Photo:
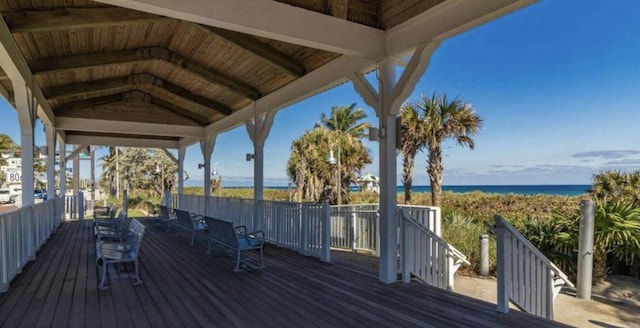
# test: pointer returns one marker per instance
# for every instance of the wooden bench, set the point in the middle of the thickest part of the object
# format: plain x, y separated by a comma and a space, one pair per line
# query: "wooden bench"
189, 222
127, 250
236, 240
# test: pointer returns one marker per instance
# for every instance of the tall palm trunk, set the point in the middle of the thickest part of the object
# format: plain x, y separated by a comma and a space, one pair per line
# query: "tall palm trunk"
435, 173
407, 175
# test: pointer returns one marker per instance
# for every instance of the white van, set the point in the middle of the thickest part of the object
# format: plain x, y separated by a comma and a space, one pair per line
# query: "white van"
6, 196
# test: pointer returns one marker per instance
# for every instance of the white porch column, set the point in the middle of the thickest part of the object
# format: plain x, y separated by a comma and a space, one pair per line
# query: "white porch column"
76, 174
206, 145
258, 130
62, 153
387, 101
50, 135
181, 153
26, 107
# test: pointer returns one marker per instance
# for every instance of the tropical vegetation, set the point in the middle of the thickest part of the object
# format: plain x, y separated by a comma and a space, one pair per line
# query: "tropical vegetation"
307, 167
428, 123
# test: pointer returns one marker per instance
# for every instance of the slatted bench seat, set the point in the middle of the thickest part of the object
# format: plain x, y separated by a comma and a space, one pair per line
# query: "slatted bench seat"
189, 222
236, 240
127, 250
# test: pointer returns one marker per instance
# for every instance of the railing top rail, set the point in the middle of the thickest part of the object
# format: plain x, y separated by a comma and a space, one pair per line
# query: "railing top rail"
437, 238
417, 206
502, 222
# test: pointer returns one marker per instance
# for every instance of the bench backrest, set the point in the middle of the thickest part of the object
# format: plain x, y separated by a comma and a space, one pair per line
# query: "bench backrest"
112, 211
164, 212
184, 218
222, 231
136, 233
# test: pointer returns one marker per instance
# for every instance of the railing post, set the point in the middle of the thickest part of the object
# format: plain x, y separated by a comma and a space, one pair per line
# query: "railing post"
437, 225
404, 248
585, 249
484, 255
326, 233
504, 265
4, 256
80, 206
354, 230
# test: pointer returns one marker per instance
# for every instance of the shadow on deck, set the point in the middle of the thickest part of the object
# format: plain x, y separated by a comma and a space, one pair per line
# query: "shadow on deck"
184, 287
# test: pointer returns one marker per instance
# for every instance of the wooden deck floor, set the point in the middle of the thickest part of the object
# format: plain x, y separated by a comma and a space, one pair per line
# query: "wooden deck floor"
184, 287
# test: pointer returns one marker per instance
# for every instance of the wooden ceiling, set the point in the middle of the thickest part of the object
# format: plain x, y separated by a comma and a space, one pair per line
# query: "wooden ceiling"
95, 61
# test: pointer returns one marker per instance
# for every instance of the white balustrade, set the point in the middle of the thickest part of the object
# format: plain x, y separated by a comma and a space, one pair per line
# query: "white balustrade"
525, 276
23, 232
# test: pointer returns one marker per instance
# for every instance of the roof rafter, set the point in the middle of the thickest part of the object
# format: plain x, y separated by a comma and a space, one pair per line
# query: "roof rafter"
58, 64
86, 88
130, 96
121, 141
273, 20
74, 18
260, 49
105, 126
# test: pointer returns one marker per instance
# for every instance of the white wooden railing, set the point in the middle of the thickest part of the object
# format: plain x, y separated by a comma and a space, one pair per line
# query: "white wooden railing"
525, 276
355, 227
424, 254
303, 227
23, 232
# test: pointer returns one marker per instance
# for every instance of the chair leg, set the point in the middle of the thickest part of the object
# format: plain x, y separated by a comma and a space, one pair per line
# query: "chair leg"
261, 257
103, 279
193, 236
137, 277
237, 269
209, 248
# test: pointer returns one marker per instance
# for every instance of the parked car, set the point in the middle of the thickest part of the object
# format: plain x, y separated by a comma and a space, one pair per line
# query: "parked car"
6, 197
40, 193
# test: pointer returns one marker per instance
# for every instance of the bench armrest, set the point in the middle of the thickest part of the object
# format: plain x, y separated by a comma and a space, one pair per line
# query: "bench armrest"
259, 235
241, 229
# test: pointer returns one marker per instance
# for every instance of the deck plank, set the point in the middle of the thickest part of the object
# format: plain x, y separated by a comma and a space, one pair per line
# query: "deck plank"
185, 287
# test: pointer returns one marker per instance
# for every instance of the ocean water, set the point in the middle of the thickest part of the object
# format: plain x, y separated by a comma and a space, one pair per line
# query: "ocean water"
564, 190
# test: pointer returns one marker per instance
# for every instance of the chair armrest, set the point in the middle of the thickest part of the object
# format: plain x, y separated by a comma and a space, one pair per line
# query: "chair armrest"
198, 218
241, 229
259, 235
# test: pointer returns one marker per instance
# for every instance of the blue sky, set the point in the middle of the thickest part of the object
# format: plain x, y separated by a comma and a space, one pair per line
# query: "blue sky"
556, 83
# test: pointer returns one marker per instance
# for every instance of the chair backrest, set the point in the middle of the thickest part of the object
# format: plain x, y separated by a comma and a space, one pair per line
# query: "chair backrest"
164, 212
184, 218
222, 231
112, 211
136, 233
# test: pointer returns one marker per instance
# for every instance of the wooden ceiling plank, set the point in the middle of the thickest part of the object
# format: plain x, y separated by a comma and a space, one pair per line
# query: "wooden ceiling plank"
59, 64
86, 103
186, 94
28, 21
260, 49
87, 88
339, 8
179, 110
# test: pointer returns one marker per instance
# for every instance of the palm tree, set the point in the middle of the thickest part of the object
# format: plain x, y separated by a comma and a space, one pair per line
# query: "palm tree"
412, 141
315, 179
445, 119
346, 119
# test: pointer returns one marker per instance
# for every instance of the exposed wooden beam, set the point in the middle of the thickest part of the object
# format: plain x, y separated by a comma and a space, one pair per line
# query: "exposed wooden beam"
121, 142
131, 96
180, 111
16, 68
86, 103
74, 18
339, 8
260, 49
87, 88
93, 60
121, 127
273, 20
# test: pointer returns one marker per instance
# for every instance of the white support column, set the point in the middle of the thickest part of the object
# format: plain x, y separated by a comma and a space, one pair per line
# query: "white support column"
181, 153
387, 101
50, 135
258, 131
26, 107
76, 174
206, 145
62, 152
